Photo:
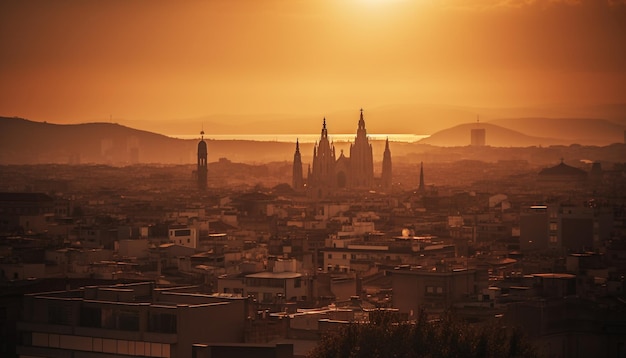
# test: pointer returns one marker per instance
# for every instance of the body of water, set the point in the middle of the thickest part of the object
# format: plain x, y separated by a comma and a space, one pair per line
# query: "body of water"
303, 138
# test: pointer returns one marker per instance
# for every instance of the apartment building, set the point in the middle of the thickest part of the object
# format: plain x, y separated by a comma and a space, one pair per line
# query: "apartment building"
128, 320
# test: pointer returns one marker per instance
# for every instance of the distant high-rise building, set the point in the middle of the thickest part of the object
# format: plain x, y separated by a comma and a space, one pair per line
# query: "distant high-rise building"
202, 163
297, 179
478, 135
386, 176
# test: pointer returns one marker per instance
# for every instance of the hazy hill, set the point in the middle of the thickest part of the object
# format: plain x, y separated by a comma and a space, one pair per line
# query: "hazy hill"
413, 119
24, 142
583, 131
392, 118
495, 136
28, 142
615, 112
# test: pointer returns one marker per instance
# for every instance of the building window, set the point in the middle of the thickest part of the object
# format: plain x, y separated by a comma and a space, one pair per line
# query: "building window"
182, 232
434, 291
553, 239
344, 256
107, 320
90, 317
59, 314
297, 282
330, 256
121, 319
162, 323
128, 320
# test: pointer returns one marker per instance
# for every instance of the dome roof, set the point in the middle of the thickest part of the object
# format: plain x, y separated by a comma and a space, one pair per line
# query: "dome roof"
562, 169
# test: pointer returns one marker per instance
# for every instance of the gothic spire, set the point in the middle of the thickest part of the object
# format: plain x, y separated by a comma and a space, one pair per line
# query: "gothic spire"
387, 170
421, 187
361, 121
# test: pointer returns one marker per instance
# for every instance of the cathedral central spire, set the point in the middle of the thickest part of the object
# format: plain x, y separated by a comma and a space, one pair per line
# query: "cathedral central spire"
361, 121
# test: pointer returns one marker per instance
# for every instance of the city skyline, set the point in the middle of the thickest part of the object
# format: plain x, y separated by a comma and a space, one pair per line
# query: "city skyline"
69, 62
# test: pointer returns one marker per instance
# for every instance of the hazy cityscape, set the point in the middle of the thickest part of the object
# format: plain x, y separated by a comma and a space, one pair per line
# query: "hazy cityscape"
329, 178
282, 253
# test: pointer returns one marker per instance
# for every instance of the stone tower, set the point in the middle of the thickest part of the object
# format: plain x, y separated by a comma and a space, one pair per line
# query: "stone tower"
202, 163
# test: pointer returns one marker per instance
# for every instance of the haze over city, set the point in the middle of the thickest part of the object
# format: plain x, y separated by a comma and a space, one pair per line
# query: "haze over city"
313, 178
147, 64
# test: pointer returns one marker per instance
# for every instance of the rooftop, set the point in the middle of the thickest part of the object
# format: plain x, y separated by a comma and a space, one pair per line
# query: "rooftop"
279, 275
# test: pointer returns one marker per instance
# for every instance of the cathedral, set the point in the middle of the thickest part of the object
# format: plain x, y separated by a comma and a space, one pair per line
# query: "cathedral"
329, 173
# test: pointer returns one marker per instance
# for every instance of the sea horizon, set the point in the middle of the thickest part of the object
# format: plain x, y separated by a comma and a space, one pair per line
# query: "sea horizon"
304, 138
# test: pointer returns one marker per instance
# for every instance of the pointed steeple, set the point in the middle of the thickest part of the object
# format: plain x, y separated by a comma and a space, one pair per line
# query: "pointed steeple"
324, 130
387, 175
361, 121
297, 180
421, 188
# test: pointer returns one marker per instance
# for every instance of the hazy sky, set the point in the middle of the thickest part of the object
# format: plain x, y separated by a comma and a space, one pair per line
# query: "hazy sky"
86, 60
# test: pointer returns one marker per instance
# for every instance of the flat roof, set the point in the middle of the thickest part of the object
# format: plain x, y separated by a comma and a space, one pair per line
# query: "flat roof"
553, 275
285, 274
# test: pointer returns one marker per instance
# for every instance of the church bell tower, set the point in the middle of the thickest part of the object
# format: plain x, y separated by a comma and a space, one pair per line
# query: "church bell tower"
202, 163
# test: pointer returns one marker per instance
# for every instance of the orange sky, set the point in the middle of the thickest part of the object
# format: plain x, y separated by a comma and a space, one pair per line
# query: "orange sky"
86, 60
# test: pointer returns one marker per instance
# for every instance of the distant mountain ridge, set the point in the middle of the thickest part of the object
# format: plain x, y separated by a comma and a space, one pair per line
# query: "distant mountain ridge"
602, 123
584, 131
27, 142
24, 141
495, 136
